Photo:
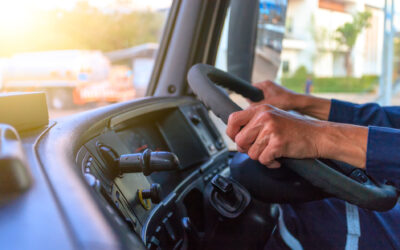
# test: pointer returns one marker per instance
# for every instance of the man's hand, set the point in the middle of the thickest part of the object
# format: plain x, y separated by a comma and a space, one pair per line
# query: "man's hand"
276, 95
266, 134
286, 99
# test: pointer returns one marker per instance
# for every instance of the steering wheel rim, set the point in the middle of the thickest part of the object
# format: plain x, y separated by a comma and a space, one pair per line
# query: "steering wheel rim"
203, 80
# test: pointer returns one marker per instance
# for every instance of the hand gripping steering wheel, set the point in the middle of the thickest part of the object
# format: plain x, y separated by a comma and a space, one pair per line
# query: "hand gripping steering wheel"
350, 184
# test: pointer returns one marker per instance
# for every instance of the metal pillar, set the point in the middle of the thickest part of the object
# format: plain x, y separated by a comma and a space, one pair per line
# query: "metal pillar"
385, 87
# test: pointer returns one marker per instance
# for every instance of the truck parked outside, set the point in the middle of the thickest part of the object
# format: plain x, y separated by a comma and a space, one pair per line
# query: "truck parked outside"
69, 77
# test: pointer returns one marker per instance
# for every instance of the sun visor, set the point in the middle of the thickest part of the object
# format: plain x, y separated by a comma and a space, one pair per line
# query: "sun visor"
24, 111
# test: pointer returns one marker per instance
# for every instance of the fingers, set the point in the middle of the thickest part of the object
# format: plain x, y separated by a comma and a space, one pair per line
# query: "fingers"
246, 137
239, 149
274, 165
237, 120
265, 87
258, 146
269, 155
261, 85
249, 133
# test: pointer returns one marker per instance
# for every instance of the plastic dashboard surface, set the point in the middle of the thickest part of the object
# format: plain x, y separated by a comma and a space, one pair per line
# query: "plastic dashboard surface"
185, 130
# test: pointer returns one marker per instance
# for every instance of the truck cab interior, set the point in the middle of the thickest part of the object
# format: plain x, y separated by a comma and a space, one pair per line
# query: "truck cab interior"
156, 172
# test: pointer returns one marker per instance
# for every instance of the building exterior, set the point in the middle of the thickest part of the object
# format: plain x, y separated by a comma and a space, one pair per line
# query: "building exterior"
309, 42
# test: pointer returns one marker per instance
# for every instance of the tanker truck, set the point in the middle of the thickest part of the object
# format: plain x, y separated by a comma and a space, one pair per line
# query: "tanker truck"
69, 77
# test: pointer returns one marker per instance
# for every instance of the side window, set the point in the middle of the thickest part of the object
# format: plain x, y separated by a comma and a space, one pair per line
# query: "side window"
268, 44
270, 33
83, 54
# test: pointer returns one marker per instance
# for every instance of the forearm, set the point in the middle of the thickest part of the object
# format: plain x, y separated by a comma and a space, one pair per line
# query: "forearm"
343, 142
312, 106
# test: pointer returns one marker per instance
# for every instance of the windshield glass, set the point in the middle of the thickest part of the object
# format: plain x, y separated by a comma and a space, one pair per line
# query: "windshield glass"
329, 48
337, 49
83, 54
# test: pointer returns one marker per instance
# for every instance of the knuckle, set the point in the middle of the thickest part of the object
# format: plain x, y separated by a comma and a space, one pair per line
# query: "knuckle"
232, 118
254, 108
264, 161
275, 153
240, 140
270, 128
277, 150
261, 117
252, 154
273, 122
268, 115
267, 83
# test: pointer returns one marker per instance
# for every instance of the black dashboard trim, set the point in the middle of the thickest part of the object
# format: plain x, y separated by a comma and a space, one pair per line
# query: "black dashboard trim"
90, 223
183, 188
51, 188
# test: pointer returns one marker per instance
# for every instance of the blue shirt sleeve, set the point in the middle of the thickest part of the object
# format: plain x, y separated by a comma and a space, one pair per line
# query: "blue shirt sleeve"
364, 114
383, 148
383, 154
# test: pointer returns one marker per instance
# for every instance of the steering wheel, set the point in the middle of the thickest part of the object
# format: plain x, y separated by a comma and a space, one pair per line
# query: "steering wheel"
350, 184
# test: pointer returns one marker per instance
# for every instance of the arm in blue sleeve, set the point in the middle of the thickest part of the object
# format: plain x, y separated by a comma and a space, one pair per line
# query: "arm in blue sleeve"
383, 154
364, 114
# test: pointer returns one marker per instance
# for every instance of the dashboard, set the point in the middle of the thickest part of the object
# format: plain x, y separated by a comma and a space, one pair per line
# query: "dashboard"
183, 129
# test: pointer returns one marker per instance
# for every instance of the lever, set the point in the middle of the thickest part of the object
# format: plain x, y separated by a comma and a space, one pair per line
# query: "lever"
225, 191
228, 197
152, 193
146, 162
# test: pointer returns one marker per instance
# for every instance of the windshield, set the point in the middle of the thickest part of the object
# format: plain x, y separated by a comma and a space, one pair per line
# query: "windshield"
83, 54
334, 49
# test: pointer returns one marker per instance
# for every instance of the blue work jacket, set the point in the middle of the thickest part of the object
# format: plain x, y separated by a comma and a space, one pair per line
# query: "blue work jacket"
327, 224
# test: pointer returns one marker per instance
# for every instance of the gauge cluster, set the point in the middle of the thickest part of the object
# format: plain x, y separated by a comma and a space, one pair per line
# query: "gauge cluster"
143, 137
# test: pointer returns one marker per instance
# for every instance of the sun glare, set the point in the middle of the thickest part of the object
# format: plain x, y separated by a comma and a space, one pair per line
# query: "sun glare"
13, 15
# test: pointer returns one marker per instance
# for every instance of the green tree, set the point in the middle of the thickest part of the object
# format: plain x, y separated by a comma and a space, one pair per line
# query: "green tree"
348, 33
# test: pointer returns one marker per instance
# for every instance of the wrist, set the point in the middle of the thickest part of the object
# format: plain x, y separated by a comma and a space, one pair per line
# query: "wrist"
313, 106
300, 102
343, 142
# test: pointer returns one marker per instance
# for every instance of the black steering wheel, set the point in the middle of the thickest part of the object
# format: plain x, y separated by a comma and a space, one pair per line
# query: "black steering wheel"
350, 184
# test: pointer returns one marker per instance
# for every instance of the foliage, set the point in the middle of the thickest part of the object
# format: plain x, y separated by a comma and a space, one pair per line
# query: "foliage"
300, 75
348, 33
334, 84
83, 27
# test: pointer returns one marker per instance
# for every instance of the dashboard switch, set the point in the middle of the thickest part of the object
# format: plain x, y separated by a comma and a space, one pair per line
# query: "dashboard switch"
92, 181
195, 119
110, 159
